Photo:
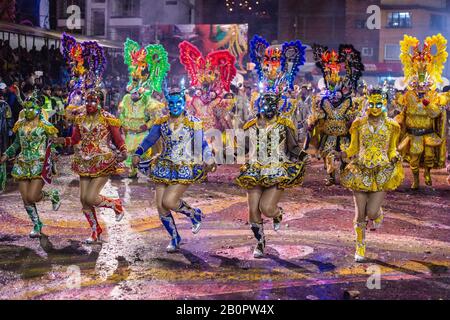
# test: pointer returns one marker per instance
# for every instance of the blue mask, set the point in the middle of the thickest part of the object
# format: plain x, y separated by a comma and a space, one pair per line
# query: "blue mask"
176, 103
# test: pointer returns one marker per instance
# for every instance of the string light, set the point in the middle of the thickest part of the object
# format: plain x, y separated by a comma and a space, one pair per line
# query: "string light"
243, 5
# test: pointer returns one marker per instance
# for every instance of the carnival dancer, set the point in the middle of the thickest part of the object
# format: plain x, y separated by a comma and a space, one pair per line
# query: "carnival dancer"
275, 161
374, 168
98, 143
184, 160
147, 66
423, 117
32, 164
334, 110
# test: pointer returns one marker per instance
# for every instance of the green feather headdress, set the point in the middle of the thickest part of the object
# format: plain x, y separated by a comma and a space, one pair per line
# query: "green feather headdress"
147, 66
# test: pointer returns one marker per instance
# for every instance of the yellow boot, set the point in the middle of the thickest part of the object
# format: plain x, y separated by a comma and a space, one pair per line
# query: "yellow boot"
427, 176
376, 223
360, 231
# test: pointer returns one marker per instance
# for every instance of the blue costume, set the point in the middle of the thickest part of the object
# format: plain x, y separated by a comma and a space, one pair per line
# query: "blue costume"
185, 151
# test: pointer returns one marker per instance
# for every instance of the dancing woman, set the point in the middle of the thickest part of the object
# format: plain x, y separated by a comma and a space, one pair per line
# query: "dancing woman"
176, 167
275, 159
33, 132
375, 166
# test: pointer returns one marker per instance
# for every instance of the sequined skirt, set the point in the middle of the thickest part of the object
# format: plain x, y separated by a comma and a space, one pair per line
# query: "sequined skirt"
283, 174
357, 177
165, 171
24, 170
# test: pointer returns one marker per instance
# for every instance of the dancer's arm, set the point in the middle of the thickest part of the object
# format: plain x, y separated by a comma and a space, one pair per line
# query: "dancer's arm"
12, 150
353, 148
153, 135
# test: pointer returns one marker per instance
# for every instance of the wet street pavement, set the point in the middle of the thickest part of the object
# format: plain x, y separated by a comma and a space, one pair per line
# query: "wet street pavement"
311, 257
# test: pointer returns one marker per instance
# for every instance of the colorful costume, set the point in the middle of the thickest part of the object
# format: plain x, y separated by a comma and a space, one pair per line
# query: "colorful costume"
375, 165
275, 158
373, 150
96, 141
423, 116
148, 66
181, 162
211, 77
333, 112
34, 159
96, 134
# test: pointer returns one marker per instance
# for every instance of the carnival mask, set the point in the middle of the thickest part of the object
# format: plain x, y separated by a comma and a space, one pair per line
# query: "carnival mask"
210, 75
33, 106
176, 102
423, 68
92, 103
272, 63
377, 103
268, 105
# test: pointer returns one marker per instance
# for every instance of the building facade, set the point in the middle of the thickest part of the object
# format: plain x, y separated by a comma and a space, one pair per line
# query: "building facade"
117, 19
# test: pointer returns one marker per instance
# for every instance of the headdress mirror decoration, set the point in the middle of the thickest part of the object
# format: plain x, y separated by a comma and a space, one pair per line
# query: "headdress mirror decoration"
87, 63
331, 64
212, 74
423, 69
147, 66
277, 66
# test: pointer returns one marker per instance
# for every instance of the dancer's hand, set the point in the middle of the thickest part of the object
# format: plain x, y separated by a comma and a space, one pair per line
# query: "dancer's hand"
135, 161
3, 158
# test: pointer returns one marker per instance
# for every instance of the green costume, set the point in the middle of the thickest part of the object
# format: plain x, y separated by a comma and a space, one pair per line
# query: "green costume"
147, 67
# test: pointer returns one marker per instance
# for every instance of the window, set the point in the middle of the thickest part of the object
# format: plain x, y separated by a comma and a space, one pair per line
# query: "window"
391, 52
399, 20
367, 52
98, 22
130, 8
438, 22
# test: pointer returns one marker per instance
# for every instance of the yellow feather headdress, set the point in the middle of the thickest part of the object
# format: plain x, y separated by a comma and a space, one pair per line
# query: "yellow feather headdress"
423, 62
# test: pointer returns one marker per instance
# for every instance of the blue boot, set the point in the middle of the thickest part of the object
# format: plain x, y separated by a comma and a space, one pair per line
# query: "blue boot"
195, 214
171, 228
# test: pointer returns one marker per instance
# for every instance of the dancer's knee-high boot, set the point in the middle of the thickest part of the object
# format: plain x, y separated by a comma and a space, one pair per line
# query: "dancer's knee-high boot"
195, 214
169, 223
96, 230
378, 221
360, 232
278, 219
115, 204
34, 217
258, 232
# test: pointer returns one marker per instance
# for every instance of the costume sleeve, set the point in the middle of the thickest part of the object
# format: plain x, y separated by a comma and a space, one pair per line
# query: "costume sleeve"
292, 145
353, 148
434, 109
395, 134
12, 150
75, 138
117, 138
153, 135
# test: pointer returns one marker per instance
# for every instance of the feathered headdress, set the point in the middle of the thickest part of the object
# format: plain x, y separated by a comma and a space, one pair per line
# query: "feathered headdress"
277, 67
147, 66
86, 60
423, 65
216, 70
332, 62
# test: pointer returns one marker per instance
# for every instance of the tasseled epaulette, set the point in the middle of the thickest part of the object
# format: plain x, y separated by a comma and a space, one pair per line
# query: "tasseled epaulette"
249, 124
286, 122
161, 120
193, 123
18, 125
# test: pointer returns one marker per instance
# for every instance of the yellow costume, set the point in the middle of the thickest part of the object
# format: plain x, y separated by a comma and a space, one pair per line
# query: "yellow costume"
372, 150
423, 116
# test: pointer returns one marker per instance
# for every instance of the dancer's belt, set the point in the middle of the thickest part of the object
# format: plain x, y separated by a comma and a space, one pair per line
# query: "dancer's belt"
419, 132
